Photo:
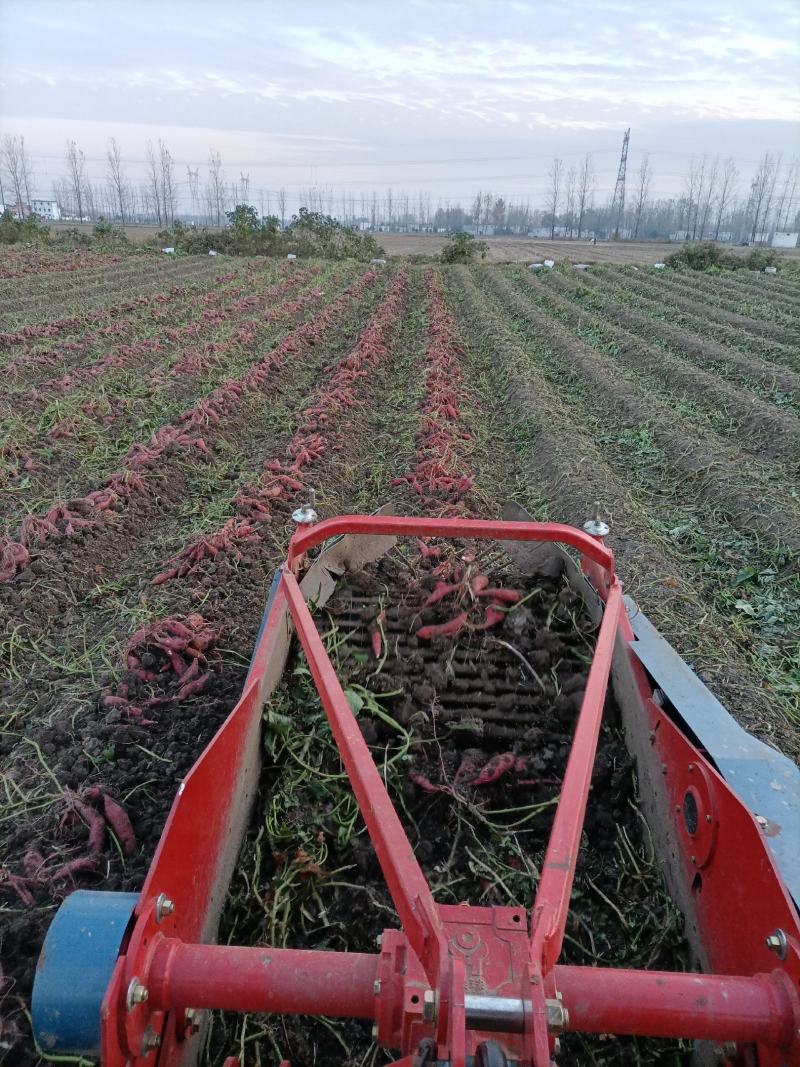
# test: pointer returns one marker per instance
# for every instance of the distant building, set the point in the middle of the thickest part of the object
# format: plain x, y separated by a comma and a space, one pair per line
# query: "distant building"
784, 239
46, 209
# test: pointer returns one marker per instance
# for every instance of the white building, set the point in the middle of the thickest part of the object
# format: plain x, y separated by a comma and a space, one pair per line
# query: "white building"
784, 239
46, 209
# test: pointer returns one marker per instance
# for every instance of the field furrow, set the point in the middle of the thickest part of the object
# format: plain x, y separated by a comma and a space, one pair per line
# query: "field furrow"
105, 299
48, 365
101, 426
717, 293
756, 426
772, 382
666, 288
753, 498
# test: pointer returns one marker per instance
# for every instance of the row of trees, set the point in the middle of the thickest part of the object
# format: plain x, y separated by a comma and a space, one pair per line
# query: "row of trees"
711, 204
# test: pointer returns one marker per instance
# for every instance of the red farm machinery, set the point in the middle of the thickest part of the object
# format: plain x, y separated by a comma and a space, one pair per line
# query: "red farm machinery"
128, 977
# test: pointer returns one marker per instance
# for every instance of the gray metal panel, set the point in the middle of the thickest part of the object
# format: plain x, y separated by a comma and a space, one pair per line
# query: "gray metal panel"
765, 780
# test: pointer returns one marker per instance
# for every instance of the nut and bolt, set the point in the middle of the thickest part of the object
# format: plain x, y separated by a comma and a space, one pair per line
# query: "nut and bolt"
150, 1040
191, 1020
762, 822
595, 526
376, 986
430, 1005
557, 1015
374, 1031
776, 942
379, 940
137, 994
164, 907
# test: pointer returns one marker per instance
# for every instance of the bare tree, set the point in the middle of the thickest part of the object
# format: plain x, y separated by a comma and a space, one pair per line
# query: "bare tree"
585, 189
771, 192
18, 168
154, 180
572, 178
477, 211
726, 193
554, 193
691, 185
10, 157
644, 176
710, 189
761, 193
76, 164
216, 184
700, 177
166, 183
783, 210
116, 179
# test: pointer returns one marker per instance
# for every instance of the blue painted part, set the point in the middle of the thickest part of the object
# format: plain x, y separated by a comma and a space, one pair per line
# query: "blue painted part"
74, 969
766, 781
273, 589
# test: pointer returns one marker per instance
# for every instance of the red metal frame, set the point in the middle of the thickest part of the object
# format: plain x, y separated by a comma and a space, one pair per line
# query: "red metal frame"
426, 978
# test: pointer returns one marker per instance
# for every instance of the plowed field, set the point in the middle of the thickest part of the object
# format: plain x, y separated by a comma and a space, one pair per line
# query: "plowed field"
159, 421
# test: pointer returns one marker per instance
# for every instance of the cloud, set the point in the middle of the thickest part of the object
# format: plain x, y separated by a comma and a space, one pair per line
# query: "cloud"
440, 79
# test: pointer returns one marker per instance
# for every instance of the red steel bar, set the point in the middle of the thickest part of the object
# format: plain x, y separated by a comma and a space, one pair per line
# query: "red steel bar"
753, 1009
662, 1004
549, 915
307, 537
404, 878
281, 981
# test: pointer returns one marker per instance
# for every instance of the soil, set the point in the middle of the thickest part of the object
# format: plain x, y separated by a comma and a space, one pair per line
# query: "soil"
528, 249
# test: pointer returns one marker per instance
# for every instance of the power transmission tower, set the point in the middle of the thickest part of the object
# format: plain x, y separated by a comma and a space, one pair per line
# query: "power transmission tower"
194, 181
618, 203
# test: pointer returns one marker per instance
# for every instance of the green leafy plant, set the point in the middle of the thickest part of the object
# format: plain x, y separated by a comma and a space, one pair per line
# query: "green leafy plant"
463, 248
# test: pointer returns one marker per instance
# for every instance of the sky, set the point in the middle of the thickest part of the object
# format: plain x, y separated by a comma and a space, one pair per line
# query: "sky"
415, 95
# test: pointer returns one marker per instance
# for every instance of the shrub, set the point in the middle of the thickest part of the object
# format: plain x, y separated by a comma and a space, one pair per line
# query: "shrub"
707, 256
22, 231
463, 248
699, 256
758, 258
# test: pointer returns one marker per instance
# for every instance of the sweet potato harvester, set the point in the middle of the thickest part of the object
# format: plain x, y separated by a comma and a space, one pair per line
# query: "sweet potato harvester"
129, 976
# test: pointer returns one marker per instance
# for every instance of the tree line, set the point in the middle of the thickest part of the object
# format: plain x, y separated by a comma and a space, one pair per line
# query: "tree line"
712, 203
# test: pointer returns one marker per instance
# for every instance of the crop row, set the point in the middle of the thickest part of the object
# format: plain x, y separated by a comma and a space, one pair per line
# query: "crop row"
99, 505
756, 425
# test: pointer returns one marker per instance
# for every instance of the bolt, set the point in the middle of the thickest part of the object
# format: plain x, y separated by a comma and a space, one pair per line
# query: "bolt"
376, 986
708, 818
150, 1040
429, 1006
677, 807
191, 1021
374, 1031
694, 859
690, 768
776, 942
379, 940
137, 994
557, 1015
664, 768
762, 822
164, 907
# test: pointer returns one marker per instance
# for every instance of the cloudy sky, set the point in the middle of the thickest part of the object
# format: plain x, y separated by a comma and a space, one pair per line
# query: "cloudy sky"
442, 96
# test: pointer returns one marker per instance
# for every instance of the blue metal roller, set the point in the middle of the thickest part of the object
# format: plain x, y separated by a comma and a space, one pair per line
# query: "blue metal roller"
74, 970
